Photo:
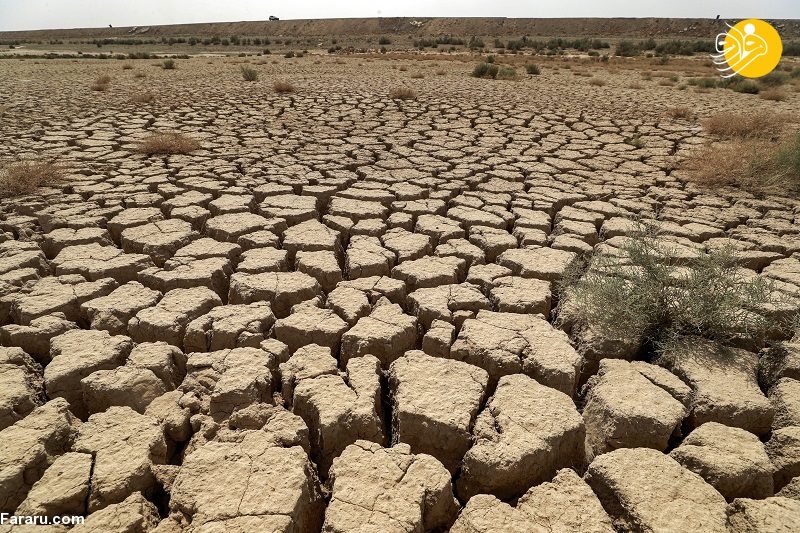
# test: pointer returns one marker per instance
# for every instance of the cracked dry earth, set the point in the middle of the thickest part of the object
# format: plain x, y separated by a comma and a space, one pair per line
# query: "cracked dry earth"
336, 314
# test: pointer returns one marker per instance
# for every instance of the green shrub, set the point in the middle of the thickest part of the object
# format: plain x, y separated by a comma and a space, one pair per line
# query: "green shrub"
635, 141
533, 69
506, 73
646, 291
169, 64
773, 79
485, 70
288, 54
706, 83
384, 41
249, 73
627, 49
746, 86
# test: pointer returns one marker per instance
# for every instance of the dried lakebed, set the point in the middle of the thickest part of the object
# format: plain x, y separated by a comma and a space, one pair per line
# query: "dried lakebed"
336, 314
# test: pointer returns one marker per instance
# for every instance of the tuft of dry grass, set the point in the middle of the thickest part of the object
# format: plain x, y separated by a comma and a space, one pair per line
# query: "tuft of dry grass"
755, 125
167, 143
283, 87
635, 85
402, 69
249, 73
417, 75
679, 112
597, 82
140, 75
403, 93
101, 83
25, 177
127, 66
666, 83
775, 94
143, 98
440, 72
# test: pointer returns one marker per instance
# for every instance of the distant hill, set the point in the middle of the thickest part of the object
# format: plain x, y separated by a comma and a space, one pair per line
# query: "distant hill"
659, 28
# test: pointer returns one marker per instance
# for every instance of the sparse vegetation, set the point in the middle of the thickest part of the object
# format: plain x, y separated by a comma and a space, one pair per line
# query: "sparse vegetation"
281, 86
169, 64
127, 66
646, 291
485, 70
101, 83
680, 112
403, 93
249, 73
532, 69
744, 126
597, 82
143, 98
24, 177
168, 143
140, 75
417, 75
776, 94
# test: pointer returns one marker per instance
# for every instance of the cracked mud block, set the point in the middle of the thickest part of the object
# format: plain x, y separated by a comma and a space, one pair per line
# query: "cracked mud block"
222, 485
370, 227
174, 418
349, 303
510, 343
308, 362
125, 385
430, 271
291, 208
94, 261
469, 217
450, 303
564, 504
732, 460
21, 385
570, 243
484, 276
62, 489
783, 449
186, 199
631, 405
791, 489
434, 405
785, 399
30, 446
538, 263
261, 260
724, 385
281, 289
438, 228
645, 490
586, 232
22, 256
779, 361
405, 245
125, 445
392, 490
63, 294
513, 294
366, 257
762, 516
309, 324
130, 218
229, 228
461, 248
188, 273
135, 514
323, 266
229, 379
386, 333
356, 209
438, 339
415, 208
113, 312
205, 248
525, 434
34, 339
167, 362
341, 410
160, 240
231, 203
492, 241
229, 326
193, 214
75, 355
58, 239
377, 287
167, 321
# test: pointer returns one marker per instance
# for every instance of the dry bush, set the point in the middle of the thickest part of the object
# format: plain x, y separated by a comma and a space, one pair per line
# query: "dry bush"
143, 98
140, 75
417, 75
597, 82
635, 85
666, 83
753, 125
402, 69
168, 143
679, 112
775, 94
403, 93
101, 83
283, 87
249, 73
25, 176
440, 72
127, 66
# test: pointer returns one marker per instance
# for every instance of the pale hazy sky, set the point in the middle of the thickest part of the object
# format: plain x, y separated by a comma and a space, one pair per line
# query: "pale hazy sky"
41, 14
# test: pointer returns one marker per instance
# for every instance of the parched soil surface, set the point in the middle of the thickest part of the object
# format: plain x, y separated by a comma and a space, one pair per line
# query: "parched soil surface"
336, 313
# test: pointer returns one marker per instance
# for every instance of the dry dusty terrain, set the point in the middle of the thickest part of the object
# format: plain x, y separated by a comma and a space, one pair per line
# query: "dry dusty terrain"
336, 314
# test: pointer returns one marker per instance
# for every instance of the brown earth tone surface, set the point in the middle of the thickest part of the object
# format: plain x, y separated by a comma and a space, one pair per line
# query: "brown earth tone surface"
335, 314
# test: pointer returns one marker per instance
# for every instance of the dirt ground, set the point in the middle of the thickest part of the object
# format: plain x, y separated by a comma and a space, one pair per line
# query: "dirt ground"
335, 314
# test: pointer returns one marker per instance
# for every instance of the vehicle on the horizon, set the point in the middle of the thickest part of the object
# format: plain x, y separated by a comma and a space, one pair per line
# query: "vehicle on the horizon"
273, 17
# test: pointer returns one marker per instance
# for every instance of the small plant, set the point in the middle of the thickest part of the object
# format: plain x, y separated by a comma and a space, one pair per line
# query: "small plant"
745, 126
597, 82
485, 70
167, 143
127, 66
417, 75
747, 87
775, 78
169, 64
507, 73
441, 72
101, 83
281, 86
647, 292
25, 177
288, 55
384, 41
776, 94
403, 93
140, 75
249, 73
635, 141
143, 98
679, 112
532, 69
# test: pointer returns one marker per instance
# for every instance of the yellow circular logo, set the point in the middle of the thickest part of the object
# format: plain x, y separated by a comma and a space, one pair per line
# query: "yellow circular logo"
751, 48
